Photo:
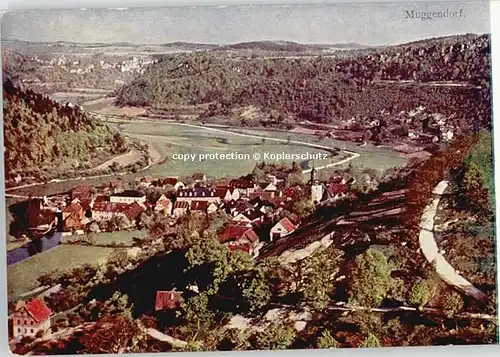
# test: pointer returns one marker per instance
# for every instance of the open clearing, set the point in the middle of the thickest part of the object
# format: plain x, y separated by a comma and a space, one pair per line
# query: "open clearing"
23, 275
125, 237
173, 138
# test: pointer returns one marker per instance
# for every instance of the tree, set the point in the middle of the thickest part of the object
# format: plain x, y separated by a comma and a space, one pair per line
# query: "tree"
370, 279
213, 262
319, 272
276, 336
326, 340
303, 208
421, 292
371, 341
255, 288
111, 334
452, 303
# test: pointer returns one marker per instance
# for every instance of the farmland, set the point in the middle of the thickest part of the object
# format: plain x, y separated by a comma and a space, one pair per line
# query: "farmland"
23, 276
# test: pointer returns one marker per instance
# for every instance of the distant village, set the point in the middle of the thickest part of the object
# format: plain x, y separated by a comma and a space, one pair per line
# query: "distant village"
258, 211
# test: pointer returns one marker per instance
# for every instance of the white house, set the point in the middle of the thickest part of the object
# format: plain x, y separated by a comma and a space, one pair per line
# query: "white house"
282, 228
30, 317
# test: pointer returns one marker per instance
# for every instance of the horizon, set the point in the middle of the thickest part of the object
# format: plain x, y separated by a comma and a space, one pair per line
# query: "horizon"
370, 24
235, 43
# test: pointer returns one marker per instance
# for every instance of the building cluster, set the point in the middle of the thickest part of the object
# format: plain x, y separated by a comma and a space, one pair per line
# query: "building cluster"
253, 206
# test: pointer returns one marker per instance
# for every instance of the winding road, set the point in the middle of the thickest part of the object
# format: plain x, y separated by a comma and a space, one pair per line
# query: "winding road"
431, 252
353, 156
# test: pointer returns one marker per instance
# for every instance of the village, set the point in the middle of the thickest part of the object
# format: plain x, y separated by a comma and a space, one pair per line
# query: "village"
258, 212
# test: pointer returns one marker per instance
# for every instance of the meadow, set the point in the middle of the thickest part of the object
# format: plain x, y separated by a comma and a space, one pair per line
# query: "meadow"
23, 275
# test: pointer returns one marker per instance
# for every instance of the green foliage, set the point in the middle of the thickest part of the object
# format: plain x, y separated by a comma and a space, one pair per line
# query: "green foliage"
216, 260
370, 279
324, 89
421, 292
319, 273
326, 340
453, 303
276, 336
303, 208
43, 136
256, 289
371, 341
479, 181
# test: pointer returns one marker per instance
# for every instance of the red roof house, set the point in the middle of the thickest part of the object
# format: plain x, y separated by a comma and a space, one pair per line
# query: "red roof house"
30, 317
168, 300
282, 228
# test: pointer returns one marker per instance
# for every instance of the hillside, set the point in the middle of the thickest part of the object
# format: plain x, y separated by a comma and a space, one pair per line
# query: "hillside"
329, 89
44, 138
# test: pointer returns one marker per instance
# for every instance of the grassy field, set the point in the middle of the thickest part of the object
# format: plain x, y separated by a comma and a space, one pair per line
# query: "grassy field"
169, 138
22, 277
125, 237
189, 140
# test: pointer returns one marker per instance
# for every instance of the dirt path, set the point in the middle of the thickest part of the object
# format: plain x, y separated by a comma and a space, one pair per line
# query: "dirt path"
431, 252
125, 159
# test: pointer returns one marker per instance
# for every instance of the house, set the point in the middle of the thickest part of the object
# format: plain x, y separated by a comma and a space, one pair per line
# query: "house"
263, 195
81, 191
244, 186
133, 211
145, 181
282, 228
336, 190
269, 187
249, 217
104, 211
237, 235
128, 197
180, 208
226, 193
163, 204
243, 247
199, 177
204, 206
170, 181
198, 194
30, 317
73, 217
168, 300
115, 186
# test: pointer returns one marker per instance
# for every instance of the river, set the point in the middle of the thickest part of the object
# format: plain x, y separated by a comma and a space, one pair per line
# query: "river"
34, 247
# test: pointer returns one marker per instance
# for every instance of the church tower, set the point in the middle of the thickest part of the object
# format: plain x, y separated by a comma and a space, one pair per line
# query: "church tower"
316, 187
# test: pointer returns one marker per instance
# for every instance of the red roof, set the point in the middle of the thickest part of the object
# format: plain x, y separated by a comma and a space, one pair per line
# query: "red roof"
221, 192
265, 195
241, 183
335, 188
234, 232
166, 300
109, 207
38, 310
199, 205
294, 219
244, 247
133, 211
167, 181
289, 226
73, 208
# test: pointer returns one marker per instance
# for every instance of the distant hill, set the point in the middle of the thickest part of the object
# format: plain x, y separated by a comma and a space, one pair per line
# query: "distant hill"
324, 88
278, 46
44, 139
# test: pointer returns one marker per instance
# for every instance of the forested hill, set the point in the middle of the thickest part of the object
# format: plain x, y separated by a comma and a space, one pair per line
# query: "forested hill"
43, 138
326, 89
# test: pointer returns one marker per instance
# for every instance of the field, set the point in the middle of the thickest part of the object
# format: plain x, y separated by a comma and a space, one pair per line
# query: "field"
169, 138
23, 276
125, 237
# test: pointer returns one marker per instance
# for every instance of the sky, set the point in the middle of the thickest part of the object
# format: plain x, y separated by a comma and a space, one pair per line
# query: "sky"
369, 24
